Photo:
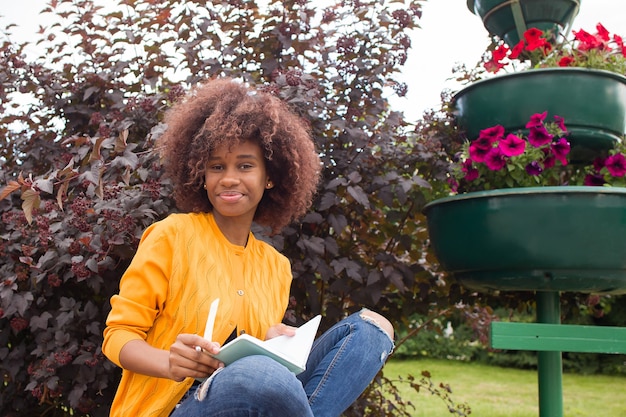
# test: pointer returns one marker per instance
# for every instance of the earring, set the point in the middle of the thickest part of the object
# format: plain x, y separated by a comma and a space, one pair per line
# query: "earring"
269, 185
204, 186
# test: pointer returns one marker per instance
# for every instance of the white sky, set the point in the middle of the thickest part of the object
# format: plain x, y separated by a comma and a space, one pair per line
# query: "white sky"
449, 34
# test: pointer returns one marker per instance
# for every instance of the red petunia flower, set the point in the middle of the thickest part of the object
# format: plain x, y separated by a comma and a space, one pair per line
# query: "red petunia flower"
566, 61
493, 66
535, 41
500, 53
517, 50
603, 33
587, 41
620, 43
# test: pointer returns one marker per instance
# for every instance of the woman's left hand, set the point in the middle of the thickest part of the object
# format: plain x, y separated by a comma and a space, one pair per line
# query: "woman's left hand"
279, 330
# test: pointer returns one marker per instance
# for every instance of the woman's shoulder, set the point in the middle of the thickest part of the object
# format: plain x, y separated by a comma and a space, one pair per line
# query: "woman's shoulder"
181, 220
268, 251
175, 224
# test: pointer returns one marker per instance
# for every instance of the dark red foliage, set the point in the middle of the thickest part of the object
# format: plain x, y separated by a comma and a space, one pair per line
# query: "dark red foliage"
80, 178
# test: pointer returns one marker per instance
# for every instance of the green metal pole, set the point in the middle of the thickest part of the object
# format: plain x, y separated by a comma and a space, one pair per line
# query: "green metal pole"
550, 365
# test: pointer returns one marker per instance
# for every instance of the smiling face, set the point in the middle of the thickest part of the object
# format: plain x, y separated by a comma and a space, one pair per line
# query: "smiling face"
236, 179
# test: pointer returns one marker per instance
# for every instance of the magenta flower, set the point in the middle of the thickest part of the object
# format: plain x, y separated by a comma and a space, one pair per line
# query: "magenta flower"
499, 159
477, 153
594, 180
560, 149
471, 173
454, 185
616, 164
495, 160
549, 161
492, 134
599, 163
483, 143
536, 120
512, 145
561, 123
534, 169
539, 136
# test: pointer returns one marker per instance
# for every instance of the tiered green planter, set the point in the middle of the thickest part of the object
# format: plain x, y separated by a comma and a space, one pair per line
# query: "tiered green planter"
509, 19
592, 102
547, 240
533, 239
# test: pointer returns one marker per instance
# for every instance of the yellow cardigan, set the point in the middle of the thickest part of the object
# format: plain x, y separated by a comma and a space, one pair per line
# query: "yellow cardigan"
182, 264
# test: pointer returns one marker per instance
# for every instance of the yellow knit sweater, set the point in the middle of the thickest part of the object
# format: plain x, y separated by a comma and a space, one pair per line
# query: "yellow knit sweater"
182, 264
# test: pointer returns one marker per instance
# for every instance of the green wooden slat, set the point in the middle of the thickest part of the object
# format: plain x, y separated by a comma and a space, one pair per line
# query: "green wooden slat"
558, 337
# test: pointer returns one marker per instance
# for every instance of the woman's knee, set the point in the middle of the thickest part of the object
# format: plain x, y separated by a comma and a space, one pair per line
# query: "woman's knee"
271, 378
265, 380
378, 320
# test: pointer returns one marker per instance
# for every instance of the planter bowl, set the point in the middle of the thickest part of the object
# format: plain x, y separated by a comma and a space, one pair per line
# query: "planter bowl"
592, 102
533, 239
509, 19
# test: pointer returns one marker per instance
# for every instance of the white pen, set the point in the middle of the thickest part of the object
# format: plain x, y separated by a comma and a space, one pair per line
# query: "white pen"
208, 329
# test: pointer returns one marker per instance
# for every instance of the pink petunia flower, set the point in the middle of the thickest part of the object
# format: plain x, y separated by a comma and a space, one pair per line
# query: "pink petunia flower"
599, 163
594, 180
454, 185
512, 145
561, 123
534, 169
549, 161
484, 143
539, 136
493, 134
495, 159
477, 153
471, 173
536, 119
560, 149
616, 164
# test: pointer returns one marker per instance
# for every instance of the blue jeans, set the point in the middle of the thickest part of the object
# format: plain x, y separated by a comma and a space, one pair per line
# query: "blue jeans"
342, 363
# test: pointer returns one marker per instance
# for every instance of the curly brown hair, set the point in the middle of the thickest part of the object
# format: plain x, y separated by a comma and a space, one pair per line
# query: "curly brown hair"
225, 111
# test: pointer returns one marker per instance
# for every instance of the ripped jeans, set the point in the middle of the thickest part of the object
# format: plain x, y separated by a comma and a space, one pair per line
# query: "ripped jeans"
342, 363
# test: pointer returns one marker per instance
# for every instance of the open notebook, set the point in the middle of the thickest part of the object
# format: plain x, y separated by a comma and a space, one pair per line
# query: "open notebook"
291, 351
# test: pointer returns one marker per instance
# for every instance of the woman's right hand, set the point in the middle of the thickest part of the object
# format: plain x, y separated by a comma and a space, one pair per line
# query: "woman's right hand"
186, 361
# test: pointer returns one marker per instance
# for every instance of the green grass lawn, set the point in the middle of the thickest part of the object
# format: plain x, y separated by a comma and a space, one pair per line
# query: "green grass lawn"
503, 392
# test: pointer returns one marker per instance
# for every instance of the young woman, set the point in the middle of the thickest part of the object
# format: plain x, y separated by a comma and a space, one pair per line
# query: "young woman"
235, 156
